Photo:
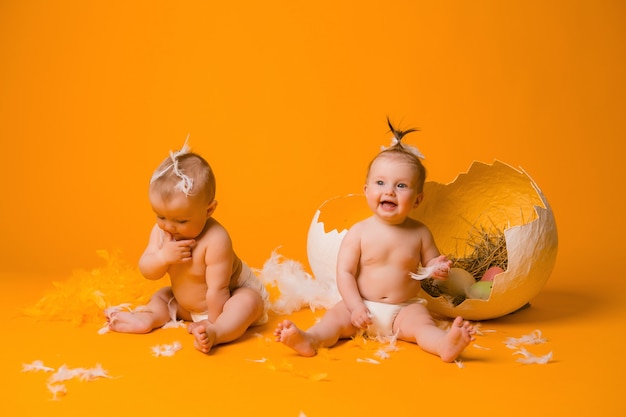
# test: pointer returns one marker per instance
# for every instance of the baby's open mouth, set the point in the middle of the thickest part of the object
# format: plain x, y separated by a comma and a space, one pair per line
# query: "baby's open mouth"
388, 204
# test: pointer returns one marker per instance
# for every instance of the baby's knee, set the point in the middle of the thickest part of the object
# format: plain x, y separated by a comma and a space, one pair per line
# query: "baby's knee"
165, 295
250, 297
413, 315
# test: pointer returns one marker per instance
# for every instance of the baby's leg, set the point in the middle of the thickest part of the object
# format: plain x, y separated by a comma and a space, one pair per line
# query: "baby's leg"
243, 308
334, 325
154, 315
415, 324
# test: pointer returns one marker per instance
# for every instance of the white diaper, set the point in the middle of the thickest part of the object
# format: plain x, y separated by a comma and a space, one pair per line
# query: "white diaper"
383, 316
196, 317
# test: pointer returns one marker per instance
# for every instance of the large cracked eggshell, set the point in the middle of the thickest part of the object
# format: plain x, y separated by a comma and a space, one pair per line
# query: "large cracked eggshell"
488, 196
328, 228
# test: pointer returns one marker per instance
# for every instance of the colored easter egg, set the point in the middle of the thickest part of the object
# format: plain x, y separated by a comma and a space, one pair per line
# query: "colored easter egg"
458, 282
480, 290
491, 273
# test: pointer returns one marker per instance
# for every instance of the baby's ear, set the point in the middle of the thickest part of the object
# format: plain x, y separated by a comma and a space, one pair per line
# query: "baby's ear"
419, 199
211, 208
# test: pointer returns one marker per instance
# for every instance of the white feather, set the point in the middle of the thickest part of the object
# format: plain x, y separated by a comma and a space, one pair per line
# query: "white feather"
531, 358
410, 148
368, 360
166, 350
186, 183
423, 272
93, 373
57, 390
530, 339
36, 366
65, 373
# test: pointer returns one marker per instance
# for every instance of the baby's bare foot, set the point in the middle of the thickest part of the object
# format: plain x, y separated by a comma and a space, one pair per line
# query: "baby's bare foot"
290, 335
131, 322
460, 334
204, 335
192, 326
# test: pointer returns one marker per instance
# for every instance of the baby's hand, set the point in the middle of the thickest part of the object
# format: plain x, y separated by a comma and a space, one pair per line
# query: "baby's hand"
176, 251
441, 266
361, 317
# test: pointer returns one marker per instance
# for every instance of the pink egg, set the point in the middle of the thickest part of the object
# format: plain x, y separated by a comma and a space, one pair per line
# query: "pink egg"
491, 272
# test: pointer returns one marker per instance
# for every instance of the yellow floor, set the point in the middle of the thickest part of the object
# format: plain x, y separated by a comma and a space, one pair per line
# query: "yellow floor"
258, 376
288, 101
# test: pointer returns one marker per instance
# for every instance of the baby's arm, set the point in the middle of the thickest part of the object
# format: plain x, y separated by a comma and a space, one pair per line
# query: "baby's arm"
430, 256
161, 252
347, 267
219, 259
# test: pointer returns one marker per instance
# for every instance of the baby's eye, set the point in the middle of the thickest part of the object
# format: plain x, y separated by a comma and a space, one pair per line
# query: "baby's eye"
182, 221
401, 185
379, 182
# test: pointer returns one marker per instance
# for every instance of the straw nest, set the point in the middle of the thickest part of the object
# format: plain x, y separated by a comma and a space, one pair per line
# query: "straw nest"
484, 248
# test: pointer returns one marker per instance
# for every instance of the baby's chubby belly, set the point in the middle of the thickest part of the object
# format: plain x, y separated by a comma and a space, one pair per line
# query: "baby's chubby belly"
388, 289
190, 296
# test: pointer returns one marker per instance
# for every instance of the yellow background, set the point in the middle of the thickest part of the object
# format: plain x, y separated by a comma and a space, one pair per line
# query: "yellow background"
288, 101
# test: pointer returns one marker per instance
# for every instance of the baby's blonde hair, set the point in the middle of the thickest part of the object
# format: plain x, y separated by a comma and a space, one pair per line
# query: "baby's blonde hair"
408, 153
185, 172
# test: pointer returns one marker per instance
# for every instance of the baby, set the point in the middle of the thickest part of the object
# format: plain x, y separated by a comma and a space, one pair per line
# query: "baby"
373, 265
210, 285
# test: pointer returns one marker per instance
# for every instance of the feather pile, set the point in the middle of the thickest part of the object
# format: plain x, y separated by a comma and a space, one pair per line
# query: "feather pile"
88, 295
530, 339
56, 381
84, 295
296, 288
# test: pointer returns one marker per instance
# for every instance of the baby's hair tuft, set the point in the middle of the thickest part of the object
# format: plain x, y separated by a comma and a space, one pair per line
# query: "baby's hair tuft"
399, 134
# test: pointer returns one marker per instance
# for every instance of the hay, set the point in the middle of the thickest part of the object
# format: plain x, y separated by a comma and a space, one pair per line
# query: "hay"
486, 247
